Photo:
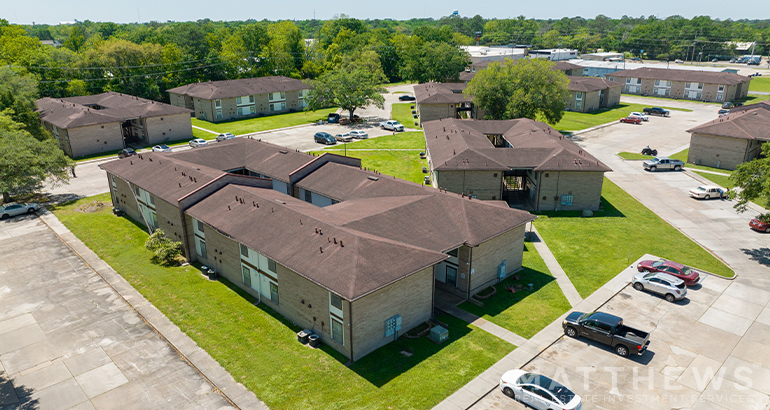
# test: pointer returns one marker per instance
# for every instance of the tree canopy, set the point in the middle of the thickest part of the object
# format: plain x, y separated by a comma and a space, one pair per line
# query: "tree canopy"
527, 88
753, 179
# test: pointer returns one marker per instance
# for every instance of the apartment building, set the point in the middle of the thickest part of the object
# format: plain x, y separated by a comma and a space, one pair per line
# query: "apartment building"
687, 84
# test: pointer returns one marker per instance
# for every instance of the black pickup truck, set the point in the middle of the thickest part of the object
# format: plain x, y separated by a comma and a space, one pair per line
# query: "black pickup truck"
607, 329
656, 111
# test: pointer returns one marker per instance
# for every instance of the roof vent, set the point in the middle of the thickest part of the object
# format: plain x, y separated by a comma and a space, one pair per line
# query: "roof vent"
283, 151
373, 178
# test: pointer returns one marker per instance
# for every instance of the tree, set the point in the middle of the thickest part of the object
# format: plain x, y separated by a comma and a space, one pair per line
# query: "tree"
527, 88
26, 162
434, 61
165, 250
355, 83
18, 93
753, 179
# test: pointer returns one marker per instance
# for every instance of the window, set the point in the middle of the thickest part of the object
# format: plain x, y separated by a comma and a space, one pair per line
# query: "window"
277, 96
278, 106
302, 104
579, 95
628, 80
451, 276
302, 93
721, 88
202, 249
152, 199
244, 250
336, 301
247, 99
271, 265
700, 86
611, 78
219, 114
136, 189
274, 293
200, 225
657, 82
578, 105
337, 331
719, 97
453, 252
246, 276
308, 196
246, 110
218, 103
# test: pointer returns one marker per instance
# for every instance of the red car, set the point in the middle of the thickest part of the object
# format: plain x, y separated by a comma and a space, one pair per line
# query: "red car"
689, 275
760, 226
631, 120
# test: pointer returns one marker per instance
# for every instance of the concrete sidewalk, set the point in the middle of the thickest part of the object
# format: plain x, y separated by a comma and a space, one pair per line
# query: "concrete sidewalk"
573, 297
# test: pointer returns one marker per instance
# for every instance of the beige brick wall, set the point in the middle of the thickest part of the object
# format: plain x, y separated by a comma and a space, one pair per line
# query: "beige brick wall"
95, 139
591, 101
585, 187
168, 128
177, 100
483, 184
716, 151
411, 297
490, 254
708, 93
125, 197
229, 107
169, 219
613, 96
430, 112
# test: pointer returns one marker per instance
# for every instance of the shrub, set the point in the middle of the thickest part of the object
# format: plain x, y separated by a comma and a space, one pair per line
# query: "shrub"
165, 250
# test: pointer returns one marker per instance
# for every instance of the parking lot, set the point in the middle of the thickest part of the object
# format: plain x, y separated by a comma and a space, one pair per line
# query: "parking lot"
708, 351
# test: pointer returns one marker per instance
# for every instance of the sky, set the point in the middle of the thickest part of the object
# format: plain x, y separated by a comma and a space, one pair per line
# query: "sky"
128, 11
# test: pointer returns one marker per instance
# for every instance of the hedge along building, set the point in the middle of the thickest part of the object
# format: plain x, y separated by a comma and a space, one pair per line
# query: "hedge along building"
689, 84
733, 139
525, 162
247, 97
111, 121
349, 252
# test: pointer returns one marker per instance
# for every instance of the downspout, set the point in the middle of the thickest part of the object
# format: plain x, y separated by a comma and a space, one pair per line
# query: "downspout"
350, 319
470, 268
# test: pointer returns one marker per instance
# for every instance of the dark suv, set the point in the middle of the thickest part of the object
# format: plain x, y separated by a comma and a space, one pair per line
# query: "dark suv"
324, 138
126, 152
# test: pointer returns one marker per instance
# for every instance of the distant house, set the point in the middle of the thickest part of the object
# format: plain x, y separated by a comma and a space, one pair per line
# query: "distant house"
356, 257
522, 161
689, 84
733, 139
247, 97
444, 100
588, 94
110, 121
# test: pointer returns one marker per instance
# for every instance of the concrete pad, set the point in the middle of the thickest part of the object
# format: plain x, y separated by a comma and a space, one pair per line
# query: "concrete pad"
87, 361
753, 351
733, 396
86, 405
101, 380
759, 332
59, 396
31, 356
747, 374
725, 321
738, 307
21, 337
699, 373
745, 292
44, 377
764, 316
16, 323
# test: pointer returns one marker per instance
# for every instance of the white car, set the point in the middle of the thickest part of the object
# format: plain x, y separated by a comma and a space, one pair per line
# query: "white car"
708, 192
358, 134
13, 209
391, 125
198, 142
538, 391
161, 148
639, 115
224, 137
672, 288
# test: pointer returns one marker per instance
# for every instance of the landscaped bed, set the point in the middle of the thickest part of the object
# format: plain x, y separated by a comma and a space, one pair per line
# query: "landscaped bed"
260, 349
593, 250
576, 121
269, 122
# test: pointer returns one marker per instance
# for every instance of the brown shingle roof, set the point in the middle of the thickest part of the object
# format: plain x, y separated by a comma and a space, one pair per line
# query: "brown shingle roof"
342, 183
294, 233
214, 90
589, 84
463, 145
707, 77
439, 93
753, 124
75, 112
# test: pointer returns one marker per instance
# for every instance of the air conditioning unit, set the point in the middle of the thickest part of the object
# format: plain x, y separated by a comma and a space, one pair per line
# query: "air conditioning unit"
439, 334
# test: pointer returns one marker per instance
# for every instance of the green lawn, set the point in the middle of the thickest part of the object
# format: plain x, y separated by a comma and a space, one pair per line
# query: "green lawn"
760, 84
576, 121
633, 155
260, 349
269, 122
402, 112
593, 250
405, 165
524, 313
755, 98
203, 134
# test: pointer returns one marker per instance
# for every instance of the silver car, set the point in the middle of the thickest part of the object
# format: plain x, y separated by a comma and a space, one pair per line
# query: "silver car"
672, 288
13, 209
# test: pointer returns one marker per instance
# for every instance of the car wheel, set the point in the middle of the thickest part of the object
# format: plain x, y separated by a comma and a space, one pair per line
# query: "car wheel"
509, 392
5, 216
638, 286
570, 331
707, 197
646, 271
670, 297
767, 230
621, 350
677, 168
653, 169
31, 210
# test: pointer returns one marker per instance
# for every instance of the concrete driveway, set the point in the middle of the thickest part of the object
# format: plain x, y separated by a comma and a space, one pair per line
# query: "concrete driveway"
68, 340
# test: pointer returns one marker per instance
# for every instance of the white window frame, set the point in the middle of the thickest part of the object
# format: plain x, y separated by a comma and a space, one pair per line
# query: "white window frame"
720, 88
341, 338
579, 96
219, 115
218, 103
280, 94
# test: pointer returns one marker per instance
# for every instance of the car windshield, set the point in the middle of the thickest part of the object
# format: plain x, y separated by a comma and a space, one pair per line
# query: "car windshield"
584, 316
649, 275
164, 146
656, 264
702, 189
563, 394
655, 160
